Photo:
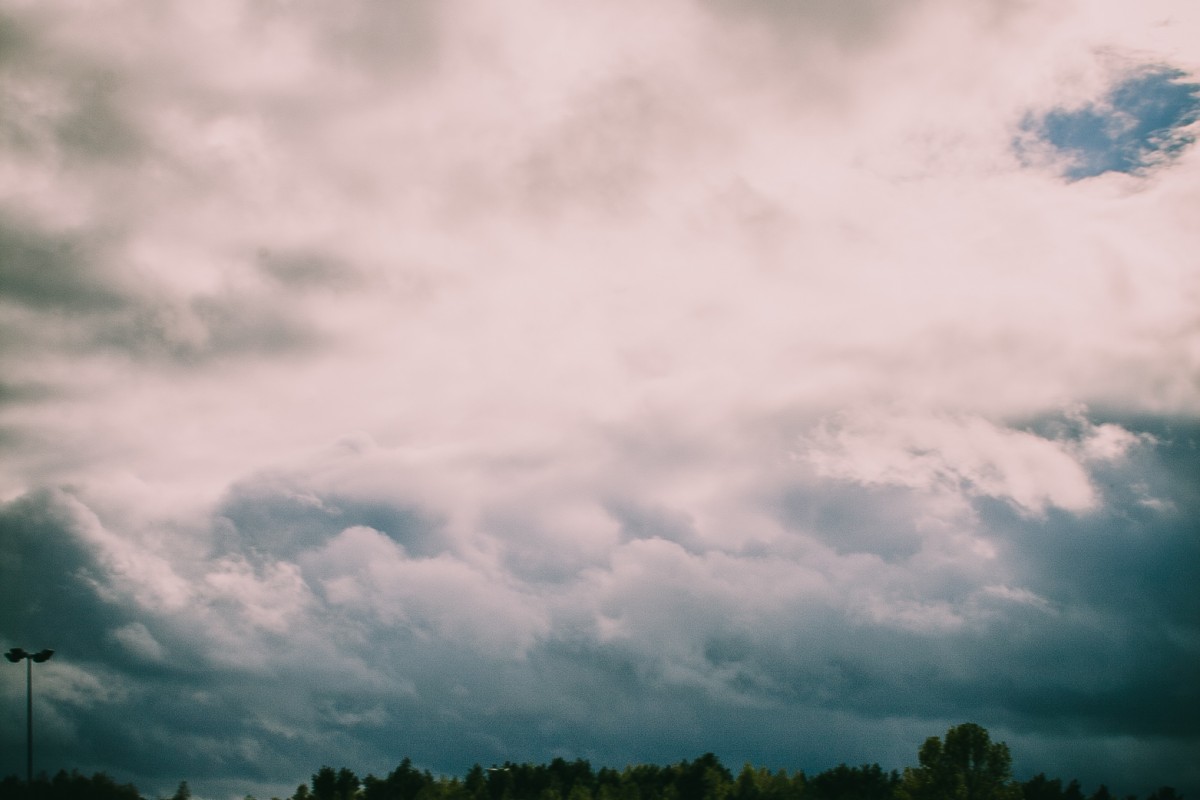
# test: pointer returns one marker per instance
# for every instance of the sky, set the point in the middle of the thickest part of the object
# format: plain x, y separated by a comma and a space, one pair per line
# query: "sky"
478, 382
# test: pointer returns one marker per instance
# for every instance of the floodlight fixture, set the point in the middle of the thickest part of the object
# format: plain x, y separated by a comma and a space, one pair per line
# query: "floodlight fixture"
16, 655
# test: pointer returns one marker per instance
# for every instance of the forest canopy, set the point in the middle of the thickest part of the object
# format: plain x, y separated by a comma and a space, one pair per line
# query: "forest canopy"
965, 764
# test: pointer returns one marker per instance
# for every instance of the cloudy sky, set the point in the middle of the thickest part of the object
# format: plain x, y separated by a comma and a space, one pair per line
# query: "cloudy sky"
502, 381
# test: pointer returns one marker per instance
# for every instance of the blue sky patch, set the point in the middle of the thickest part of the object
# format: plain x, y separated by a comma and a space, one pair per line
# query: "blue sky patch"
1139, 123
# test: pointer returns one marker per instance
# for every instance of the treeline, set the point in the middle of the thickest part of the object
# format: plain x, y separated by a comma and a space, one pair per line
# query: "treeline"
703, 779
964, 765
69, 786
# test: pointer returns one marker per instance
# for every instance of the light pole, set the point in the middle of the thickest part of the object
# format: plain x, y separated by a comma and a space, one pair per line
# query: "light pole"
15, 655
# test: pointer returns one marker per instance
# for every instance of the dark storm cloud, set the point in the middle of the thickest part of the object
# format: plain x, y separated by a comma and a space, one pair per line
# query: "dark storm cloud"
98, 701
132, 686
46, 584
59, 586
1119, 584
1134, 556
1096, 633
754, 655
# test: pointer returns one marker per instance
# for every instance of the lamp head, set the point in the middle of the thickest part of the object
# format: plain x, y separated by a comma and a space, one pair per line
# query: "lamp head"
42, 656
15, 655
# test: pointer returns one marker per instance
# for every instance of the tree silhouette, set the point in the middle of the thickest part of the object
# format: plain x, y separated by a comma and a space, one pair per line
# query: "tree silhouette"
967, 766
324, 784
868, 782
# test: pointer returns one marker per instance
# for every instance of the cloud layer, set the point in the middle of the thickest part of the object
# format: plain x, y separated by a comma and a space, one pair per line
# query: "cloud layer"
788, 381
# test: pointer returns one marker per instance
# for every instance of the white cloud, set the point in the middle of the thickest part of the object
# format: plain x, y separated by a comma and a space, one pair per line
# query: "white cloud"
440, 597
1108, 442
139, 642
965, 456
874, 249
274, 598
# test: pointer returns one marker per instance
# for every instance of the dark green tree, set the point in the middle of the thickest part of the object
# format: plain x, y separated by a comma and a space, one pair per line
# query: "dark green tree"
703, 779
1039, 787
868, 782
966, 766
405, 782
324, 784
68, 786
475, 783
746, 785
1164, 793
347, 784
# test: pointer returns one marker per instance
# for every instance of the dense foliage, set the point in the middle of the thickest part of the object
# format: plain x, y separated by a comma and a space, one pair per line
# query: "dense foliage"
964, 765
69, 786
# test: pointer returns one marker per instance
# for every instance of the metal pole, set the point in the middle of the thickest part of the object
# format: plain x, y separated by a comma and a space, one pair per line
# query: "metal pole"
15, 655
29, 721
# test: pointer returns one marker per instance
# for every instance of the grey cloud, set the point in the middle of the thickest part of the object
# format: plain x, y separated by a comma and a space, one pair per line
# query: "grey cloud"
1121, 627
25, 392
853, 23
139, 641
48, 573
741, 653
56, 584
207, 328
603, 153
46, 271
532, 550
201, 330
300, 269
91, 122
285, 515
189, 709
12, 37
19, 127
95, 702
97, 126
68, 298
388, 39
1140, 537
643, 520
883, 522
386, 34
